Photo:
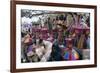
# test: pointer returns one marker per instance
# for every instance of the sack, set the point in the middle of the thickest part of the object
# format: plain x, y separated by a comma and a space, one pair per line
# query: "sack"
30, 53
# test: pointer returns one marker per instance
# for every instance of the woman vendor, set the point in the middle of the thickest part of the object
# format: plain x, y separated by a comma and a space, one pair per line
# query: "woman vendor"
71, 52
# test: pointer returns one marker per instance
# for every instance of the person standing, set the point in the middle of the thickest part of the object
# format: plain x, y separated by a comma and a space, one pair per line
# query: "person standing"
49, 25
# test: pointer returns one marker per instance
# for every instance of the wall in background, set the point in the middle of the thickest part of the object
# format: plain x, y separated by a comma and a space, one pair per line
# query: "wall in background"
5, 36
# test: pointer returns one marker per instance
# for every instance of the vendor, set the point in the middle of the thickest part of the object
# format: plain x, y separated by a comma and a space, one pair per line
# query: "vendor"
71, 52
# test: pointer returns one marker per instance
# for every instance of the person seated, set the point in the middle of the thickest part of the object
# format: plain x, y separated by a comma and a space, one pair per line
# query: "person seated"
71, 52
31, 54
26, 41
35, 51
56, 54
42, 51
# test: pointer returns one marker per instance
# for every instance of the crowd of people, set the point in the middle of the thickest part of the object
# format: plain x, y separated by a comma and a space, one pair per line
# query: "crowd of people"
59, 38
